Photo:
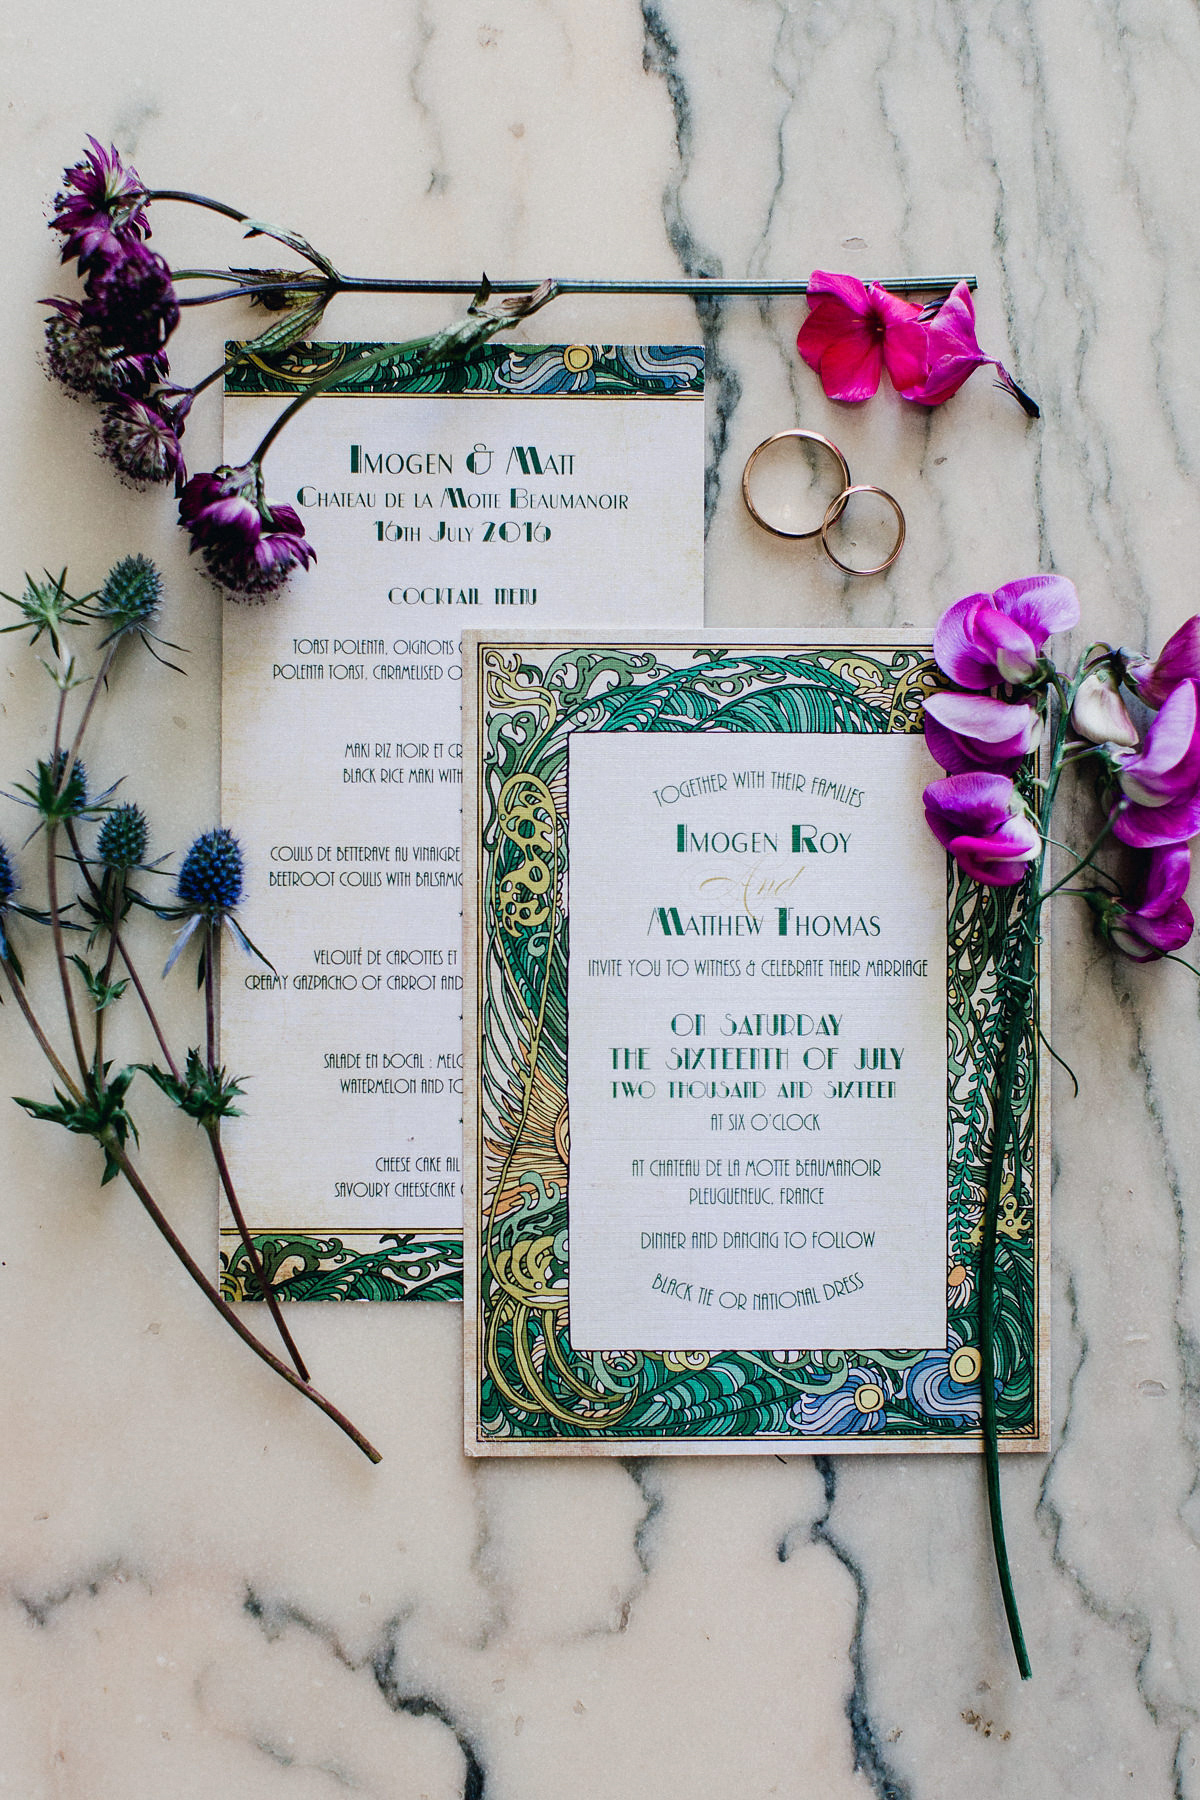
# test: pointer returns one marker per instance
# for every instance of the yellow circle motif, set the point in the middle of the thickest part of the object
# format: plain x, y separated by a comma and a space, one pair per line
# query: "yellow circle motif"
869, 1397
964, 1365
957, 1276
578, 357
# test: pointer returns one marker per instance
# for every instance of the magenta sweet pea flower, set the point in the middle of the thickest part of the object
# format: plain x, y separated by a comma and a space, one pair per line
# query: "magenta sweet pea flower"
982, 821
853, 332
1160, 783
986, 639
1179, 660
970, 731
951, 354
249, 545
100, 209
1154, 919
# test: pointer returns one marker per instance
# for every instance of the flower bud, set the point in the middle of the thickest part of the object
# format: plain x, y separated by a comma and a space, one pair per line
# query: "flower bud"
123, 838
1099, 713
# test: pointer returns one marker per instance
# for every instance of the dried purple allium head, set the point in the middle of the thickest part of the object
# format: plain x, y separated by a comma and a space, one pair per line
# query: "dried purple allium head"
100, 207
211, 876
249, 545
142, 440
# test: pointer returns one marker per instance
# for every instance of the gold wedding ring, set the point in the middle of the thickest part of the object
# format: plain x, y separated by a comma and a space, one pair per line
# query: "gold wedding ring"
834, 512
836, 507
809, 437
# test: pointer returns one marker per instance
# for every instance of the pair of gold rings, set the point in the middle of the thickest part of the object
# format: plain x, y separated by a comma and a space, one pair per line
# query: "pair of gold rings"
834, 510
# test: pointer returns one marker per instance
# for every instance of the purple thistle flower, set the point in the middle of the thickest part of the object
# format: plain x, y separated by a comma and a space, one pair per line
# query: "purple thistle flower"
986, 639
100, 208
131, 301
249, 545
1154, 919
970, 731
142, 440
982, 821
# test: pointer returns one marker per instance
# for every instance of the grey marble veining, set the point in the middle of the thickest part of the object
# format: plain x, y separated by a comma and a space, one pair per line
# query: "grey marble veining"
201, 1590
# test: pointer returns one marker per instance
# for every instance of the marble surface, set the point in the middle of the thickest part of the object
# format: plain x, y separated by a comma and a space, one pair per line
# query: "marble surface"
202, 1588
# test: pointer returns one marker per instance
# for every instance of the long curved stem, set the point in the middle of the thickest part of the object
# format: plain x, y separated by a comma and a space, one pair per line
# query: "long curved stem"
119, 1156
213, 1131
1016, 992
44, 1044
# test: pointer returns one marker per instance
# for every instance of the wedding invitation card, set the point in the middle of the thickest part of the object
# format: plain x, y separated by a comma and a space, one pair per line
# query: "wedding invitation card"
728, 1088
557, 482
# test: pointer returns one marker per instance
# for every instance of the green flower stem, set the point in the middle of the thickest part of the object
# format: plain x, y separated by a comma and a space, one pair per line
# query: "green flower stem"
60, 953
1016, 990
1084, 861
213, 1130
359, 366
118, 940
116, 1150
118, 897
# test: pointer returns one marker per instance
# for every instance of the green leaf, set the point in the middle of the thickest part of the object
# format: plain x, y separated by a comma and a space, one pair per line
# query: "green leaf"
293, 241
204, 1094
102, 992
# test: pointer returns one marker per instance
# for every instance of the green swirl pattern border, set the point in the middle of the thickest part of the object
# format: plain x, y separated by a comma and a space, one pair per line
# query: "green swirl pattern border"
587, 371
532, 1387
345, 1265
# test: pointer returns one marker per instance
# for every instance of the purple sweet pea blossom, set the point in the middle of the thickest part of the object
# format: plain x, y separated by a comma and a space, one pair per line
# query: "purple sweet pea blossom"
1179, 660
100, 208
853, 332
249, 545
951, 354
970, 731
982, 821
1155, 919
986, 639
1160, 783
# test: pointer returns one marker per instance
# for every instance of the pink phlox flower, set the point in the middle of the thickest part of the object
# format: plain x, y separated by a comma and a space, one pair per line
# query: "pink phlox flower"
100, 209
1154, 920
1178, 660
983, 823
986, 639
951, 354
853, 332
970, 731
1160, 782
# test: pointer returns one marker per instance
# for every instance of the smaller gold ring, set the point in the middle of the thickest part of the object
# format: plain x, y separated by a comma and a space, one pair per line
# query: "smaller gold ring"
833, 513
809, 437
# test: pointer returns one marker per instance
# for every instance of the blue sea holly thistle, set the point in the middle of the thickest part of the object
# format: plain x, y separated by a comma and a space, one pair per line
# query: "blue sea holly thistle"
88, 892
